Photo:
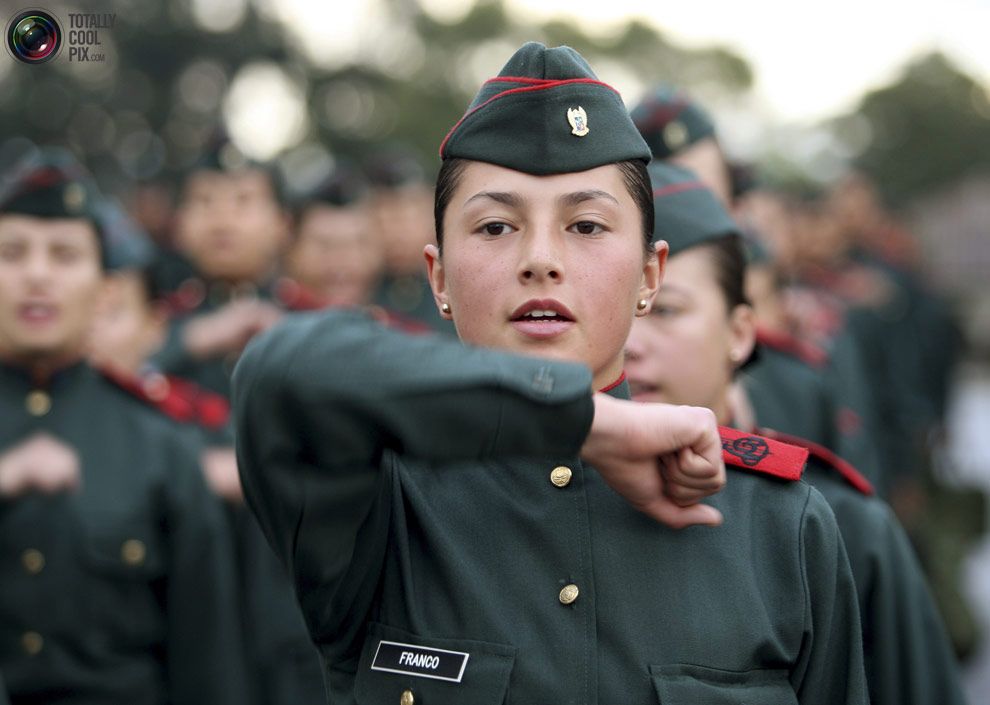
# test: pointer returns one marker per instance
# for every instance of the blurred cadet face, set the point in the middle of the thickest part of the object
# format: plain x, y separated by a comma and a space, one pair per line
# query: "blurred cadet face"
567, 247
231, 225
762, 290
403, 220
770, 216
705, 159
819, 236
682, 352
335, 254
127, 328
50, 279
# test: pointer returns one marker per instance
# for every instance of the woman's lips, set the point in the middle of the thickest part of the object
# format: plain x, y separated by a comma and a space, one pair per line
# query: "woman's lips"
542, 319
37, 314
542, 328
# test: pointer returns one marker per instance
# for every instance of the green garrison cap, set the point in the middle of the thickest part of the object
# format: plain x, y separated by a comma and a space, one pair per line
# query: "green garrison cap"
670, 121
546, 113
686, 212
51, 183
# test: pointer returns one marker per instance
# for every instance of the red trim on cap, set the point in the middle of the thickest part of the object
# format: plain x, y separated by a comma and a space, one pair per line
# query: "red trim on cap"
850, 474
616, 383
748, 451
678, 188
541, 84
785, 342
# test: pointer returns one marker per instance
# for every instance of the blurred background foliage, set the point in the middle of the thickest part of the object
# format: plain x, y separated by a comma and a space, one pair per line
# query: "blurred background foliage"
178, 70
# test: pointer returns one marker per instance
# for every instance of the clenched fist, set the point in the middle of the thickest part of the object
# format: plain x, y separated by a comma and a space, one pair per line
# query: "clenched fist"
662, 459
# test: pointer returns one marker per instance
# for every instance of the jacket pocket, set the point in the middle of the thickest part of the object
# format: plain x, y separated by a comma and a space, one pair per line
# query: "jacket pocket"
124, 583
683, 684
434, 671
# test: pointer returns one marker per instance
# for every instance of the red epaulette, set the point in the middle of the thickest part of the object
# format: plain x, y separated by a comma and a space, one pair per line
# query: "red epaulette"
748, 451
850, 474
177, 398
785, 342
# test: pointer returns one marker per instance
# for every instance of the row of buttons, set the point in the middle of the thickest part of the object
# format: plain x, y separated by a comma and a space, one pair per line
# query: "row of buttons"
132, 552
560, 476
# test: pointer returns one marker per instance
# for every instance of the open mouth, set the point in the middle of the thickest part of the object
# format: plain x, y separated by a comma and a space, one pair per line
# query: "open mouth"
542, 318
37, 313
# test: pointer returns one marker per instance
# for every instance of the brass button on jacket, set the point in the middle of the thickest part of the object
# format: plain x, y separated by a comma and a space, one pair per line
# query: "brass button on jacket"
407, 698
32, 643
560, 476
38, 403
568, 594
33, 560
133, 552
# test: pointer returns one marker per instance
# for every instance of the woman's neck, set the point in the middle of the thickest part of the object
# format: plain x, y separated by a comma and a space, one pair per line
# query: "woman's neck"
609, 374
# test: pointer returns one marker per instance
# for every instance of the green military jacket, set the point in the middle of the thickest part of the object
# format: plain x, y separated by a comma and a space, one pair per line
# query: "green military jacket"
805, 398
196, 297
448, 545
122, 592
283, 666
908, 657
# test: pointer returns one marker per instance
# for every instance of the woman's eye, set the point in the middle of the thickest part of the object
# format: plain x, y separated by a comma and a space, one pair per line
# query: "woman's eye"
663, 311
496, 228
587, 227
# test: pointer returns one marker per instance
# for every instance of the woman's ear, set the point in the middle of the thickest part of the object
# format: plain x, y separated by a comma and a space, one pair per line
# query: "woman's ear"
652, 276
438, 282
742, 334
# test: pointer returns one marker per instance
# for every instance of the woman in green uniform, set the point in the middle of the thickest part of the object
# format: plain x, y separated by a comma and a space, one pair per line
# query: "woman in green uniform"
687, 351
116, 575
471, 525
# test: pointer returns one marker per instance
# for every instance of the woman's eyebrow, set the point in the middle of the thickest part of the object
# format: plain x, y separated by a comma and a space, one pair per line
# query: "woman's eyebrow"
504, 197
573, 199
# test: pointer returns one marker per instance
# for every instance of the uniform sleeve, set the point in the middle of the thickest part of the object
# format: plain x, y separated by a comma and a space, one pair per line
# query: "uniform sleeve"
909, 660
830, 669
326, 405
204, 644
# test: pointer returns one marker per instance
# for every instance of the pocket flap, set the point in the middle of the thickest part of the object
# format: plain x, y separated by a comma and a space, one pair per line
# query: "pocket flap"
435, 671
684, 684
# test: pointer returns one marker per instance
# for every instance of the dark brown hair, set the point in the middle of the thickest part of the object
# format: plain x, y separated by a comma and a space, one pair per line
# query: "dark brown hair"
729, 258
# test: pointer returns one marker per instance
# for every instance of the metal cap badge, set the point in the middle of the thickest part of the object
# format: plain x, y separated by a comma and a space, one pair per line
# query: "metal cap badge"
578, 120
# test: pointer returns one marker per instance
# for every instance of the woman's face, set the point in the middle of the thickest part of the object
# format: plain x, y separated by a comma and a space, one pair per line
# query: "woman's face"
685, 351
551, 266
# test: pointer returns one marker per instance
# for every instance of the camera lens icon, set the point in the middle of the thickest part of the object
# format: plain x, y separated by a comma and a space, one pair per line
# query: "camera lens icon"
34, 36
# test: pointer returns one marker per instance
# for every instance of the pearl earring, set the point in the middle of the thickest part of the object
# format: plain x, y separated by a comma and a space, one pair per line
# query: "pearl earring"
642, 305
445, 307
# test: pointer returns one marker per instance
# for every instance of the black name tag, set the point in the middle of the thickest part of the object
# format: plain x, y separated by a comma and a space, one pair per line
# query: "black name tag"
420, 661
